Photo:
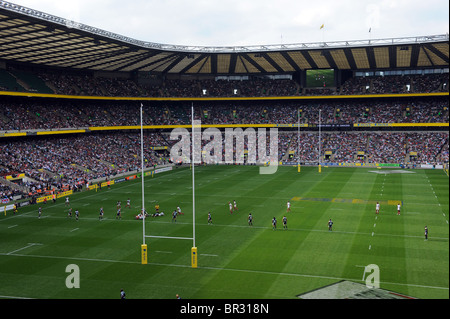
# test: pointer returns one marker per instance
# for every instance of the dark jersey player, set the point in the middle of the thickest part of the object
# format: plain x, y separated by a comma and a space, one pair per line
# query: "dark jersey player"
209, 219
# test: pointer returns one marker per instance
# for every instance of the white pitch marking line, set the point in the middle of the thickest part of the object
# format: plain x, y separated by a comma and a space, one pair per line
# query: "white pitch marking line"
14, 297
219, 268
28, 246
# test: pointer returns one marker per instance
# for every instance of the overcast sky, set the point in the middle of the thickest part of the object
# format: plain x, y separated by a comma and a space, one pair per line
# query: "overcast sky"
253, 22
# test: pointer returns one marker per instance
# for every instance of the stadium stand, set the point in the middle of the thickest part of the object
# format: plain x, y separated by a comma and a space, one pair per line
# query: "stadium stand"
70, 118
89, 85
34, 114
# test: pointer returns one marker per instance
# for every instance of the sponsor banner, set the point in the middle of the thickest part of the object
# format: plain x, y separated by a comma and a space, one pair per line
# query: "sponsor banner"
164, 169
428, 166
12, 134
22, 204
418, 124
15, 176
361, 164
107, 183
64, 194
60, 132
371, 124
44, 198
352, 164
50, 197
331, 125
397, 124
159, 148
290, 125
347, 164
389, 165
6, 208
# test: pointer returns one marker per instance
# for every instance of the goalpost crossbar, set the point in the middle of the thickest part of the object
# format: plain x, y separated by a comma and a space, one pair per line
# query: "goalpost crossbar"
168, 237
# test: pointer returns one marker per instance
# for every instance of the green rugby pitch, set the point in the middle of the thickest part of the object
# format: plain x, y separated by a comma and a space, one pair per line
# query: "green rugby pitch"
234, 259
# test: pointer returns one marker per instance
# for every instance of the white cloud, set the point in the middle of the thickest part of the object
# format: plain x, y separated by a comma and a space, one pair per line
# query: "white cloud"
252, 22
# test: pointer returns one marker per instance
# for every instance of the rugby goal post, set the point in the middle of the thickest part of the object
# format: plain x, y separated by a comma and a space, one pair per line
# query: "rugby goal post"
144, 247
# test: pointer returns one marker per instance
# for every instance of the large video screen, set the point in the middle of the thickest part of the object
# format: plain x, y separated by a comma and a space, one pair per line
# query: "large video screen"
320, 78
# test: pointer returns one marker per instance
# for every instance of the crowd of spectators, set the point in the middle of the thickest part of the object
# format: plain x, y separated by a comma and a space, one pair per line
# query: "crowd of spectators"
373, 147
7, 192
393, 84
75, 160
17, 115
355, 147
96, 85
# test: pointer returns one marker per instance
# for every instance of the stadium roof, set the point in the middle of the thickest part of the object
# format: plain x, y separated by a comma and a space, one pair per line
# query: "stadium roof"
31, 36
